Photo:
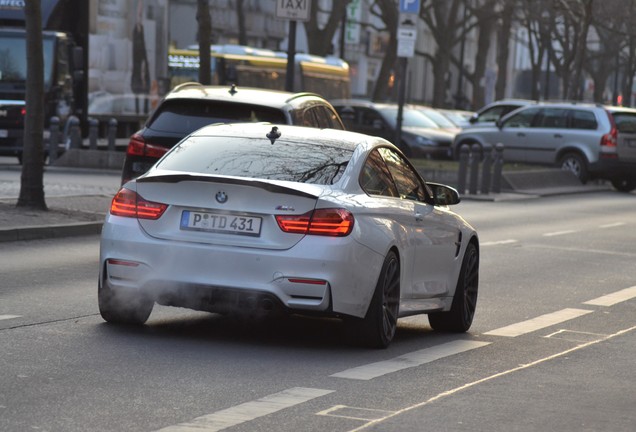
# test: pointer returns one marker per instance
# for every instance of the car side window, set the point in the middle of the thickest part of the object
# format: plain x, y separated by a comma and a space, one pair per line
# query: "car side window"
580, 119
349, 116
375, 178
491, 114
311, 118
327, 118
522, 119
552, 118
408, 183
370, 119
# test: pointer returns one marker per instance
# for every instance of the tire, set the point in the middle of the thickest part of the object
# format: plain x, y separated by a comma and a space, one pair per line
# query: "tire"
577, 164
123, 307
460, 317
377, 328
624, 185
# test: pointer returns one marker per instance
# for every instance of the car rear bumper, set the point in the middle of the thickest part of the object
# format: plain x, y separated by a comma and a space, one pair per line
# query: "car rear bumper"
11, 142
341, 281
613, 169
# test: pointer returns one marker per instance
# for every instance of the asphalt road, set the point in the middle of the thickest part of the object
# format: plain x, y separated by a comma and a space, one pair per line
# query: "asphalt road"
551, 348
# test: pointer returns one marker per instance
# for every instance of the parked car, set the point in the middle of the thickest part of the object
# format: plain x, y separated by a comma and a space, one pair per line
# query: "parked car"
190, 106
421, 137
490, 113
460, 118
255, 217
440, 120
592, 141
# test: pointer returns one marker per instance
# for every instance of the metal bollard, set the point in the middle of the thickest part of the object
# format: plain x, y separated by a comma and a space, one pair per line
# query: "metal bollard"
473, 161
496, 183
485, 171
54, 138
463, 168
93, 125
112, 133
74, 132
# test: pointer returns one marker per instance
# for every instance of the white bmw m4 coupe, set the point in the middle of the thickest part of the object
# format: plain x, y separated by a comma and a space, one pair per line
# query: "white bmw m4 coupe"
294, 220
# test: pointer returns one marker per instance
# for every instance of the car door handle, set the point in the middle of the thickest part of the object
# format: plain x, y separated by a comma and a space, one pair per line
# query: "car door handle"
419, 217
520, 134
558, 136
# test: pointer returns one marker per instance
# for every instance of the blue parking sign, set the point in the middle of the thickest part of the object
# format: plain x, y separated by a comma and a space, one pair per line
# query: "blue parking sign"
410, 6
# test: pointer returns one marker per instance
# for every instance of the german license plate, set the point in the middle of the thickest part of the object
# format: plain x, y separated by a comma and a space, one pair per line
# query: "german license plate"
221, 223
4, 133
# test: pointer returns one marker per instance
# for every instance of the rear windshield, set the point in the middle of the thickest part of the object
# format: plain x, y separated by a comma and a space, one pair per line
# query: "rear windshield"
186, 116
304, 162
625, 121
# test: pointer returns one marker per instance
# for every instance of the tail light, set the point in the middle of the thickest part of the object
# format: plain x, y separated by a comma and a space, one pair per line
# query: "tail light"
128, 203
137, 146
609, 141
326, 222
23, 112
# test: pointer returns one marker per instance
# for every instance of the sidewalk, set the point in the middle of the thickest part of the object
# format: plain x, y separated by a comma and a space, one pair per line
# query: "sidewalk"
77, 201
66, 216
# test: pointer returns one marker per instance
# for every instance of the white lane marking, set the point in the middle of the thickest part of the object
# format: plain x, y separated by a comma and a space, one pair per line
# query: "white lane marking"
559, 233
500, 242
490, 378
612, 225
538, 323
248, 411
6, 317
613, 298
354, 413
416, 358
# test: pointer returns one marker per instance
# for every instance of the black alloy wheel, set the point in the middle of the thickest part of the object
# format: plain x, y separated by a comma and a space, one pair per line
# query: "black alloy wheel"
460, 317
122, 307
377, 329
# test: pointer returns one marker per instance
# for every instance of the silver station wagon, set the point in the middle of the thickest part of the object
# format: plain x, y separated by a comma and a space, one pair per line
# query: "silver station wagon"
592, 141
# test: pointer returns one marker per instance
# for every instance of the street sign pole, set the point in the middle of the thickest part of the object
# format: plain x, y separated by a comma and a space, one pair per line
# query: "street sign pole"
401, 100
291, 54
292, 10
407, 35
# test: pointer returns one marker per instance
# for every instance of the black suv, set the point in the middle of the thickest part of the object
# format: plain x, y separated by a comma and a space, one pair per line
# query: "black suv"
191, 106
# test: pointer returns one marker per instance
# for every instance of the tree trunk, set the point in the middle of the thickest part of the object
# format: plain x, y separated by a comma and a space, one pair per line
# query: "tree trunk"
389, 15
320, 41
32, 179
503, 50
576, 90
205, 31
486, 19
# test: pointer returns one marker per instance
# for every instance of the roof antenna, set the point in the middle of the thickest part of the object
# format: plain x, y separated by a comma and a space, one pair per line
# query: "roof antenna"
233, 90
273, 135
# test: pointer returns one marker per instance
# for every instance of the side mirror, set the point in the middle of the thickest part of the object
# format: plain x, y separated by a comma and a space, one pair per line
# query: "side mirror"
473, 119
499, 123
444, 195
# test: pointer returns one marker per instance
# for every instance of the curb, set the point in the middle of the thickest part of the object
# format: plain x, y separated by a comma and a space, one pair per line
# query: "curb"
52, 231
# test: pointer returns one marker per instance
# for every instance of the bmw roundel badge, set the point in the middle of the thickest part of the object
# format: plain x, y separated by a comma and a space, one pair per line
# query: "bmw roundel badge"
221, 197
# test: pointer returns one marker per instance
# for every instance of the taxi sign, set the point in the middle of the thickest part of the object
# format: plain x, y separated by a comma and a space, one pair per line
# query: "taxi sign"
295, 10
